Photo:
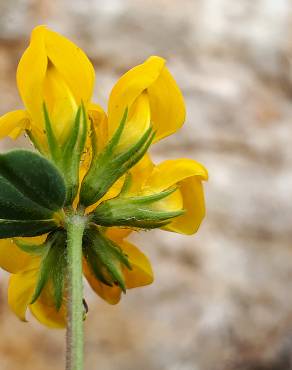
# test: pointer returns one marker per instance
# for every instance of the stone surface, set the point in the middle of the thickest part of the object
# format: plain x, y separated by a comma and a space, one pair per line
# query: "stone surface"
221, 299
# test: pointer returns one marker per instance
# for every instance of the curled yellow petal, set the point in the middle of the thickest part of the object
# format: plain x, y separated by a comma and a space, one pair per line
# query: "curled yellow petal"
141, 273
166, 108
45, 312
173, 171
12, 258
167, 105
194, 204
72, 63
20, 291
129, 87
12, 124
187, 174
31, 73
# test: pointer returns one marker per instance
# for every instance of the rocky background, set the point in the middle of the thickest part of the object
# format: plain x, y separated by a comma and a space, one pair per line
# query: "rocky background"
222, 298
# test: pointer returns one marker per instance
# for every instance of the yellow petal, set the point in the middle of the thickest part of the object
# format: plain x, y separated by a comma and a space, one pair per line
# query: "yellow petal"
113, 191
45, 312
166, 103
129, 87
110, 294
141, 273
54, 70
173, 171
60, 102
140, 173
13, 123
138, 122
12, 258
187, 174
30, 75
20, 291
117, 233
72, 63
194, 205
99, 125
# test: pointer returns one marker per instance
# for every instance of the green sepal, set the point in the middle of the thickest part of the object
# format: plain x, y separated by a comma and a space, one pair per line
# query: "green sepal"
109, 165
52, 267
95, 264
31, 191
54, 148
105, 258
135, 211
67, 156
59, 271
32, 249
72, 154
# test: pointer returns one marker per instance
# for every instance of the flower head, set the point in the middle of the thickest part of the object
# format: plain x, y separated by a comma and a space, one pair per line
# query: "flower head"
94, 165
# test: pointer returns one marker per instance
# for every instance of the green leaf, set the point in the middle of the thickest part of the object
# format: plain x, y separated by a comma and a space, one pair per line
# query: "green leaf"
35, 177
13, 228
31, 191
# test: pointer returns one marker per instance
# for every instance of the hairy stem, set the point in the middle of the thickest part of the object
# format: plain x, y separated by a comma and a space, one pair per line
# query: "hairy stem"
75, 228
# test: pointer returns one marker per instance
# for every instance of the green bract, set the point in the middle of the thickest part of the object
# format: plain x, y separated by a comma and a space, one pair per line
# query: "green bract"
32, 191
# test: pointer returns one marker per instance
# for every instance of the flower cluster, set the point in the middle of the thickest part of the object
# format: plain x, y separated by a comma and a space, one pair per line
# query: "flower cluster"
93, 163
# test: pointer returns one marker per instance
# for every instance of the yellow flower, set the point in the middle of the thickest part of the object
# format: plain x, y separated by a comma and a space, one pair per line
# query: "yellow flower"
146, 99
185, 174
55, 71
152, 97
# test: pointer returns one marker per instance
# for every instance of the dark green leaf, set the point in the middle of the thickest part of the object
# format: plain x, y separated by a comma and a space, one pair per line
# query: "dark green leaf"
35, 177
13, 228
31, 191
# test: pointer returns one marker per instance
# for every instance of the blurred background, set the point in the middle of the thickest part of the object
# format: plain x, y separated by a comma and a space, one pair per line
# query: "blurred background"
222, 298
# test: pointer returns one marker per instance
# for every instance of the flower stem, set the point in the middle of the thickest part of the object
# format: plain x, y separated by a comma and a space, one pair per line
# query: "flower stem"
75, 228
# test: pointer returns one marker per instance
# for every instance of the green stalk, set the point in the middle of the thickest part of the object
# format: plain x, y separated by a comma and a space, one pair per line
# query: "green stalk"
75, 228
